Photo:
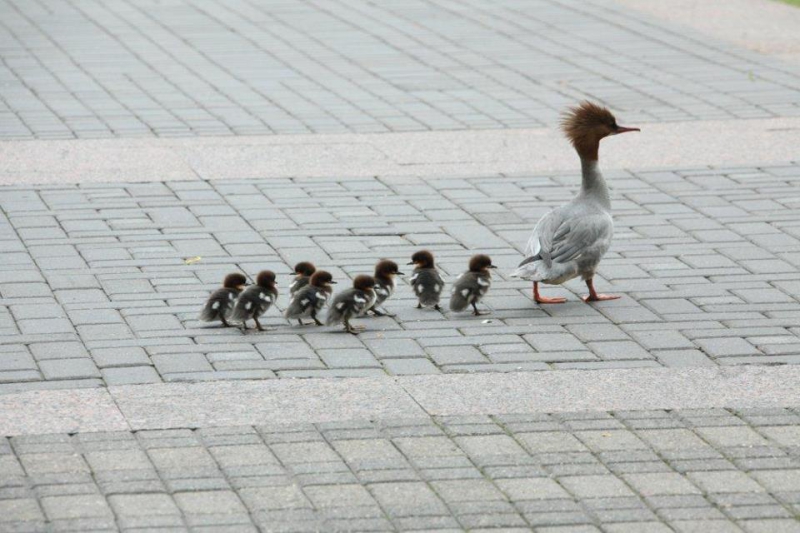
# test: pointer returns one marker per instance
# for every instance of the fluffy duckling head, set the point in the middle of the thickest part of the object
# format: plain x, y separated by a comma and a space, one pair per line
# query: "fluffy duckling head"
364, 283
304, 268
234, 280
587, 123
480, 263
266, 279
422, 259
321, 278
387, 269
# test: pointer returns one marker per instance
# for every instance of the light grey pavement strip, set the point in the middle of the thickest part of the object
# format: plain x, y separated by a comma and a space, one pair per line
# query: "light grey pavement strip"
103, 285
177, 405
194, 68
203, 405
764, 26
659, 145
655, 471
59, 411
606, 390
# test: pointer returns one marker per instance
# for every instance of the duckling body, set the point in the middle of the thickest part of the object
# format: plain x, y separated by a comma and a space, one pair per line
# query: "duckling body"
302, 272
385, 272
570, 240
311, 299
220, 304
352, 303
472, 285
425, 280
255, 300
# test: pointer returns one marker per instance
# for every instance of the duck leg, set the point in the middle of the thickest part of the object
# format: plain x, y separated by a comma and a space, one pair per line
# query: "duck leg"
594, 297
349, 328
476, 312
224, 322
258, 324
316, 320
543, 300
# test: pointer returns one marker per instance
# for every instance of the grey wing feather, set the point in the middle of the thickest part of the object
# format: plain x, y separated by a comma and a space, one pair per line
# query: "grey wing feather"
347, 304
219, 304
428, 286
302, 303
565, 233
462, 292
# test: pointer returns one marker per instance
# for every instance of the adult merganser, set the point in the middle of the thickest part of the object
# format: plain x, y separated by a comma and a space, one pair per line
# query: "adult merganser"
570, 240
472, 285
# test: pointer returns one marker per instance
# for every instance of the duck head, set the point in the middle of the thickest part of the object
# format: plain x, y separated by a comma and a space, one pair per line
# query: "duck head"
422, 259
387, 269
234, 280
586, 124
480, 263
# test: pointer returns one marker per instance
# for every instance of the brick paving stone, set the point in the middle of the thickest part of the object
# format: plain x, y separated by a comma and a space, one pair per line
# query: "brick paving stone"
459, 472
158, 299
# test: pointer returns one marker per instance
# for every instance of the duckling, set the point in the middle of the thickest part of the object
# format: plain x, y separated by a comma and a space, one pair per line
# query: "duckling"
570, 240
255, 300
220, 303
310, 300
302, 275
352, 303
426, 281
385, 271
472, 285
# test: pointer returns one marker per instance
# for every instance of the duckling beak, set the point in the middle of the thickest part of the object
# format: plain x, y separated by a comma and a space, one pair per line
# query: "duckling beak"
400, 273
334, 282
411, 263
492, 266
622, 129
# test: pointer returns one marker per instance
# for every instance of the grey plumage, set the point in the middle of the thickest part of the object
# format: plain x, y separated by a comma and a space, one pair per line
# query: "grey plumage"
219, 305
468, 289
350, 303
384, 288
252, 303
570, 240
307, 302
298, 283
427, 285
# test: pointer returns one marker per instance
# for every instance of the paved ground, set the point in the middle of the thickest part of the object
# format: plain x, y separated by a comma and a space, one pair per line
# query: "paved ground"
672, 409
103, 69
654, 471
100, 291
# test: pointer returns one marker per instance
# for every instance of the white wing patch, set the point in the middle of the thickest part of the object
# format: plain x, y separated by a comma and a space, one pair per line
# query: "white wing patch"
420, 289
464, 292
340, 306
230, 296
436, 288
414, 278
215, 306
304, 302
322, 296
248, 305
359, 299
483, 283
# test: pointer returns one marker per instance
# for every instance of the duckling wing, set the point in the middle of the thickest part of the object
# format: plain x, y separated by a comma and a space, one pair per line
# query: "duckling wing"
253, 302
464, 291
219, 304
303, 302
348, 303
428, 285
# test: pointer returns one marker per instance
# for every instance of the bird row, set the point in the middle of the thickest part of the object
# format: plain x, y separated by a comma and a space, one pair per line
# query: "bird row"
236, 302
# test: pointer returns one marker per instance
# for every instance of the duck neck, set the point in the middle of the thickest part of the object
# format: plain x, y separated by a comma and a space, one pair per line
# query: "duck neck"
593, 185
